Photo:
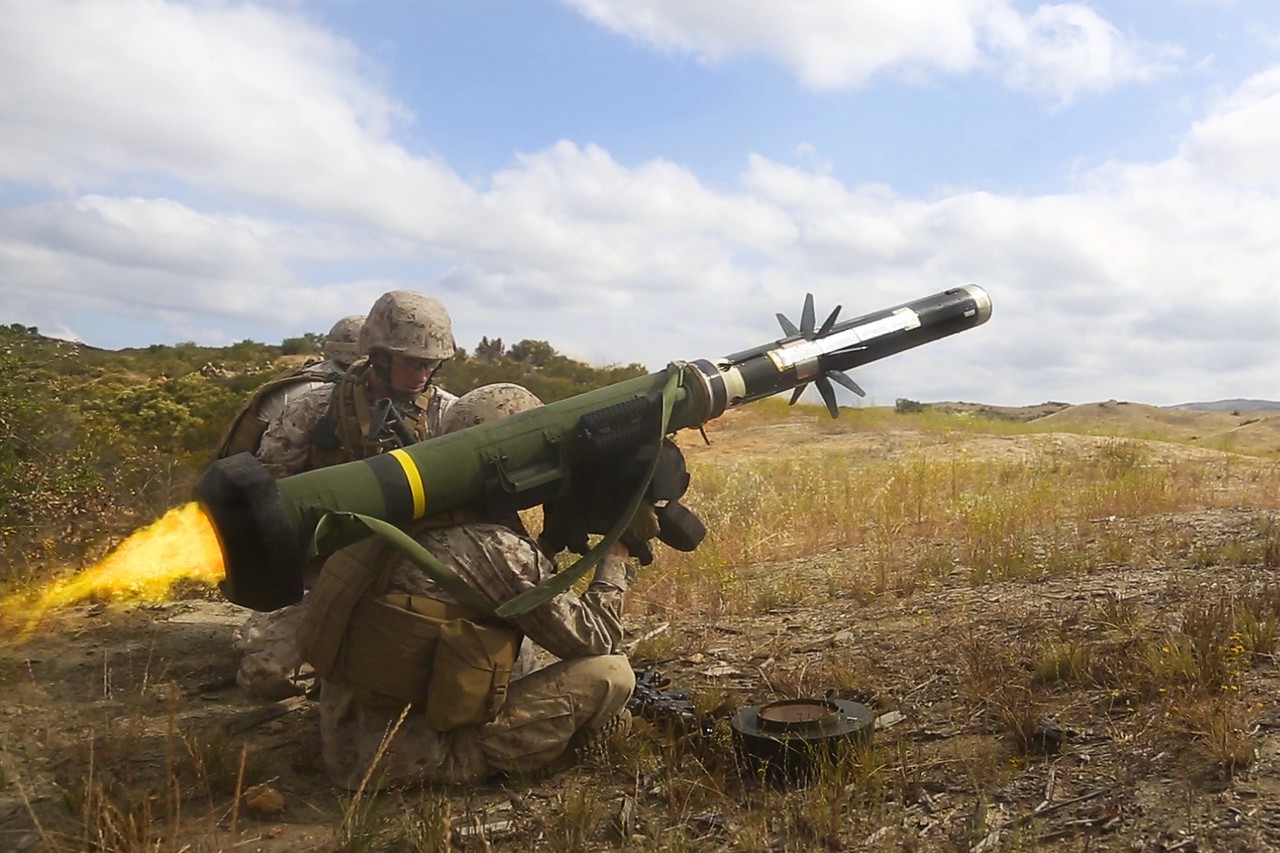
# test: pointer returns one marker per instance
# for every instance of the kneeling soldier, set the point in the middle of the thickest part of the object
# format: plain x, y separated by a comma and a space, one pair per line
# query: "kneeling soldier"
385, 637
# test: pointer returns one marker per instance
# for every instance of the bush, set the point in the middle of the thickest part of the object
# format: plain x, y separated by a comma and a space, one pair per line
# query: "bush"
114, 439
308, 344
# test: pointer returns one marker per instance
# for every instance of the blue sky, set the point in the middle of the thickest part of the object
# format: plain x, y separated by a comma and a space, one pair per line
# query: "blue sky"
643, 180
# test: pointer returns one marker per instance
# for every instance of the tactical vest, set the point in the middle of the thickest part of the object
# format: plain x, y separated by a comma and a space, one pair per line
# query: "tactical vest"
343, 433
448, 662
244, 433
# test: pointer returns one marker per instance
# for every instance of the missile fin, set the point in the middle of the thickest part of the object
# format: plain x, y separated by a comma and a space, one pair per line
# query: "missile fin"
788, 328
828, 395
830, 321
795, 395
807, 317
843, 379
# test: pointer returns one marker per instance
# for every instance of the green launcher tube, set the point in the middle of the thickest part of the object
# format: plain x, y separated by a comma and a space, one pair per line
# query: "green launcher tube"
265, 526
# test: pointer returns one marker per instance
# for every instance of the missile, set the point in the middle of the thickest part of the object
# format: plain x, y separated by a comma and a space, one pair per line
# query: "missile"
266, 526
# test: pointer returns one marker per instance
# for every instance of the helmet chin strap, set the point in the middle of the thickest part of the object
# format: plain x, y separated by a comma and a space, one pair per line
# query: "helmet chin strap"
380, 364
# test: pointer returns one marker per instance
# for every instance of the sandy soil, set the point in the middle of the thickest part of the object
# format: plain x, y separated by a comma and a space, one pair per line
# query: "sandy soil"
105, 703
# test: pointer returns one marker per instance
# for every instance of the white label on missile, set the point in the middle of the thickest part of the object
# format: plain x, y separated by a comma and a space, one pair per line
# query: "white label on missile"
797, 352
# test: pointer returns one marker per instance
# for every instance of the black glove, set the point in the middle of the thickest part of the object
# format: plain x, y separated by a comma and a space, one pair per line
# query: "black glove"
643, 527
568, 521
597, 499
563, 526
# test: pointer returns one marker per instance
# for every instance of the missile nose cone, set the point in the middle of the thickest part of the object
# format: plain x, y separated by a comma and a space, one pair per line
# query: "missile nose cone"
982, 299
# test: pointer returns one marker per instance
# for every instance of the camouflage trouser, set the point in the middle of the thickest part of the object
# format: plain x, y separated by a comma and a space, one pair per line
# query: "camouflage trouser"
544, 710
271, 666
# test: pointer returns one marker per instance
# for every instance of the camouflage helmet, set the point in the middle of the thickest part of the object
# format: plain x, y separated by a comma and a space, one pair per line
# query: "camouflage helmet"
405, 322
487, 403
342, 344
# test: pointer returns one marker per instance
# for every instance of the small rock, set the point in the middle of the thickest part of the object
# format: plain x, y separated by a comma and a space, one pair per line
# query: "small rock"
889, 718
720, 670
263, 801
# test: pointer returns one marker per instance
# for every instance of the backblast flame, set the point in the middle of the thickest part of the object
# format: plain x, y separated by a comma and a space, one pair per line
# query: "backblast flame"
181, 545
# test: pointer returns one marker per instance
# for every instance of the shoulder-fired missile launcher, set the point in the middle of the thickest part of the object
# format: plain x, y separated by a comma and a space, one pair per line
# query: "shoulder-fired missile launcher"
267, 527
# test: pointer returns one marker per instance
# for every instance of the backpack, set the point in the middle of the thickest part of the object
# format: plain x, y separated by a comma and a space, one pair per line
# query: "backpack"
244, 433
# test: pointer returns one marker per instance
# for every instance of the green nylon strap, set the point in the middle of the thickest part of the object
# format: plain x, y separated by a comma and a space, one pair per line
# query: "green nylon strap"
338, 524
444, 577
556, 584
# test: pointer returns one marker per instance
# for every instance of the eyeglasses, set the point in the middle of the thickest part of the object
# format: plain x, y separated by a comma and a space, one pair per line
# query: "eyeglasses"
430, 365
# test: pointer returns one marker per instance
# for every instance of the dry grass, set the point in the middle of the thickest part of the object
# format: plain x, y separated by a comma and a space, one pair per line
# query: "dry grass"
1034, 507
913, 521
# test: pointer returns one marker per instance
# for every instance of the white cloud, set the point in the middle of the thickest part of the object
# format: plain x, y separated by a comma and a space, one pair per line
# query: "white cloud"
234, 98
1266, 34
1144, 281
571, 207
827, 44
160, 261
1238, 141
1056, 52
1063, 49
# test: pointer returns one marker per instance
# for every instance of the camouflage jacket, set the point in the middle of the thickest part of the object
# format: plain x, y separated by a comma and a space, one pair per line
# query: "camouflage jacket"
500, 564
320, 374
244, 432
297, 440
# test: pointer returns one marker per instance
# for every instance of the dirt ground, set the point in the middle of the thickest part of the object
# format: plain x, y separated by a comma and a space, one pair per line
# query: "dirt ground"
106, 701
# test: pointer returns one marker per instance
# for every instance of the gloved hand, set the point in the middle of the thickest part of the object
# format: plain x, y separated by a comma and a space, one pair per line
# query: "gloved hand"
567, 523
597, 496
642, 528
563, 526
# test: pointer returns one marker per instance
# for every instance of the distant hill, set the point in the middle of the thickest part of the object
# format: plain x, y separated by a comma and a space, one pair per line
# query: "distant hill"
1246, 426
1020, 414
1031, 413
1236, 405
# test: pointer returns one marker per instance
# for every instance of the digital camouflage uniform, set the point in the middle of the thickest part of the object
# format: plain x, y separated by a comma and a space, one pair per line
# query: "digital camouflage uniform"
270, 666
544, 710
400, 322
287, 446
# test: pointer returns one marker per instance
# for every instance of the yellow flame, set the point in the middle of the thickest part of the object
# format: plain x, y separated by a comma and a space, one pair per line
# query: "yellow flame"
180, 545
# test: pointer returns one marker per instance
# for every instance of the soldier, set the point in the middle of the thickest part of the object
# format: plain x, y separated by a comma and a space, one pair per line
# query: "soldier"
342, 345
385, 634
383, 401
341, 348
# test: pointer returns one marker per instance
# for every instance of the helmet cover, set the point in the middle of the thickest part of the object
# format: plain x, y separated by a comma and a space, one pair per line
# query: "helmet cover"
405, 322
342, 344
487, 403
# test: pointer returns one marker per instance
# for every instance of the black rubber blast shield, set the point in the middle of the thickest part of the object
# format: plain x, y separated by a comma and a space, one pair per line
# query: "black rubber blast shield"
260, 552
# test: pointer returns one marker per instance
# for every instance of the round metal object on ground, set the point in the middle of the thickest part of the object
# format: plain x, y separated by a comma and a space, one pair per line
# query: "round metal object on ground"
786, 740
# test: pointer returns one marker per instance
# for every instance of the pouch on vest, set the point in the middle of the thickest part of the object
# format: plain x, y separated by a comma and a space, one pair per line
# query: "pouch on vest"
344, 580
470, 676
342, 434
397, 649
389, 650
410, 649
